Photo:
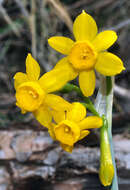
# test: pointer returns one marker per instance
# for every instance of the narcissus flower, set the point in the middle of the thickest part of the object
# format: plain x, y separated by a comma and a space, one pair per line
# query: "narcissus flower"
72, 126
87, 53
33, 93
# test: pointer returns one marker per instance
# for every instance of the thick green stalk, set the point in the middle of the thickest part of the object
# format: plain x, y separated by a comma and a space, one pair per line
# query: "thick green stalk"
109, 100
103, 104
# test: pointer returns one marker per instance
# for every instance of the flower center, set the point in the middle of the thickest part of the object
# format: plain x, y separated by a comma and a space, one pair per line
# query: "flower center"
29, 96
66, 129
82, 56
33, 94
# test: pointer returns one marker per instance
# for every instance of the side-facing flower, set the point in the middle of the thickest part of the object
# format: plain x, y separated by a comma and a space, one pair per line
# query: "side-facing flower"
33, 93
87, 53
72, 126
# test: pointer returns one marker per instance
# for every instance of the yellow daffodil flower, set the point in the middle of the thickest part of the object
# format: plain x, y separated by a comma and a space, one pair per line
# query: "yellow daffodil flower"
87, 53
33, 93
72, 125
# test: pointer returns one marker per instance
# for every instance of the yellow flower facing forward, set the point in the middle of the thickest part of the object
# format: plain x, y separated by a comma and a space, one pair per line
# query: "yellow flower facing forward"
72, 125
33, 92
87, 53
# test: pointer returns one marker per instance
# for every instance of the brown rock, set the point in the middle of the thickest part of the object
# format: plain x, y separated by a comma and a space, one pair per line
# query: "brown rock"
5, 179
21, 144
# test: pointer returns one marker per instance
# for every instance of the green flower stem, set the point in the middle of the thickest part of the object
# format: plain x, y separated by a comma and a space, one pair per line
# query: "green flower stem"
91, 108
70, 87
88, 104
103, 104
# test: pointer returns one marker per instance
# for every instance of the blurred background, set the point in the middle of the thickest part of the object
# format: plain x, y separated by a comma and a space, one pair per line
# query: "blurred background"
29, 159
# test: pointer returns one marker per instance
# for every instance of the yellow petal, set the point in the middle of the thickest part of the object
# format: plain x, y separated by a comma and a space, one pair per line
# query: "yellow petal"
104, 40
58, 77
61, 44
53, 80
67, 148
58, 116
90, 122
57, 103
32, 68
43, 115
20, 78
51, 131
67, 68
77, 113
87, 82
109, 64
84, 27
83, 134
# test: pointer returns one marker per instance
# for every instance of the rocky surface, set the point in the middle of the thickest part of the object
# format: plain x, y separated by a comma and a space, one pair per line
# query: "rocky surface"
30, 158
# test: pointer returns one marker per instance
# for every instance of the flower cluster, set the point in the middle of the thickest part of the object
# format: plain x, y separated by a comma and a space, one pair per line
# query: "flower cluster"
67, 122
